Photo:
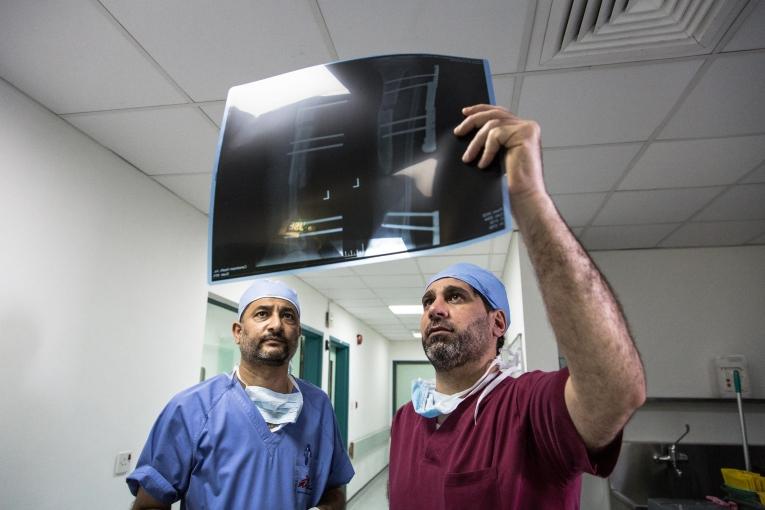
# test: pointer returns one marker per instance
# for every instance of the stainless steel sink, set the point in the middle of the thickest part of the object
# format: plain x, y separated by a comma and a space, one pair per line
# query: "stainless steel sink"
638, 477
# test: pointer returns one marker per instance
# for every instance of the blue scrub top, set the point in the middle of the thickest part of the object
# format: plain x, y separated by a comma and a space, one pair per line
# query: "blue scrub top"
211, 448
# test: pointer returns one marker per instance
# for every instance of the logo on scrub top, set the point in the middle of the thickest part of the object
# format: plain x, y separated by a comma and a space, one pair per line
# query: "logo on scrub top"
304, 478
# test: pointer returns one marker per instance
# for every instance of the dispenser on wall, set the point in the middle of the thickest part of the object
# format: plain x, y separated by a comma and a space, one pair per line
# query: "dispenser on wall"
725, 366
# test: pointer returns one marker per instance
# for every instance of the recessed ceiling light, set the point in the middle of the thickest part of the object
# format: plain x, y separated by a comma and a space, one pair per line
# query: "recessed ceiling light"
406, 309
416, 334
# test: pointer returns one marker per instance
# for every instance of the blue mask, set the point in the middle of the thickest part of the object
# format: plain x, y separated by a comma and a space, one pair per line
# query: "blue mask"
429, 403
276, 408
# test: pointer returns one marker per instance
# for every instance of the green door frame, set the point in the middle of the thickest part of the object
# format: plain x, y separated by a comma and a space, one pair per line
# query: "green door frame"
312, 355
396, 363
341, 376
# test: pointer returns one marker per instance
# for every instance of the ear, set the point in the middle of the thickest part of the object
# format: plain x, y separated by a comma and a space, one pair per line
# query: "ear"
236, 330
499, 323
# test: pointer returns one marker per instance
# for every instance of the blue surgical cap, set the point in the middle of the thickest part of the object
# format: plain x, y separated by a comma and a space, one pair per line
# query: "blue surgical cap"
483, 281
267, 289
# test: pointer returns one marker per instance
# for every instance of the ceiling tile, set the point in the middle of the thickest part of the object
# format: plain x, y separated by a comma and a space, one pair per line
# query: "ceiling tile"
156, 141
214, 111
326, 272
466, 29
500, 244
346, 303
392, 280
193, 188
434, 264
473, 248
654, 206
603, 105
758, 240
411, 321
578, 209
401, 295
689, 163
401, 266
384, 322
723, 233
72, 57
727, 100
625, 236
497, 262
208, 47
586, 169
325, 282
756, 176
743, 202
750, 35
370, 313
337, 294
503, 90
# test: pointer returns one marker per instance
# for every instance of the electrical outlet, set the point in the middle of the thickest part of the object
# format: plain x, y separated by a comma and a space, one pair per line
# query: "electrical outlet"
725, 366
122, 463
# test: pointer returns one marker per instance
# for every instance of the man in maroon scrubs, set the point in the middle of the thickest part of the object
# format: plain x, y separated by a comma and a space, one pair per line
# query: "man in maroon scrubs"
477, 438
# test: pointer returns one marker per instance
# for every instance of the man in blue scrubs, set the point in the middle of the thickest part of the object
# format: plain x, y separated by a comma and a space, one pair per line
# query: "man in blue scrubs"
253, 439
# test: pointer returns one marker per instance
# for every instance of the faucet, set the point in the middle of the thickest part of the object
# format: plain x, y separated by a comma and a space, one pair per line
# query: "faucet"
672, 455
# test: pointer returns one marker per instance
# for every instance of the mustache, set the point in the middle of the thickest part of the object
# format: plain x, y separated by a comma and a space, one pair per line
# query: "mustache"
279, 337
440, 324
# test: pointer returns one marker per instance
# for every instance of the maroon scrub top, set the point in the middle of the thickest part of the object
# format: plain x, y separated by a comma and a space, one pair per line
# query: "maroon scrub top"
523, 452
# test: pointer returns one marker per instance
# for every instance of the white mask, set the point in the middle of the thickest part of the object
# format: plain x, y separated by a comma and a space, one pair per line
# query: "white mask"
429, 403
276, 408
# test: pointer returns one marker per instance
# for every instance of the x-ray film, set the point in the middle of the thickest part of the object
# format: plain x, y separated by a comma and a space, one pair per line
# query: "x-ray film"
348, 162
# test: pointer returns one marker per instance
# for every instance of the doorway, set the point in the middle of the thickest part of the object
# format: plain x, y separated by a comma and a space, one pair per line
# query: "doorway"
404, 372
338, 384
310, 356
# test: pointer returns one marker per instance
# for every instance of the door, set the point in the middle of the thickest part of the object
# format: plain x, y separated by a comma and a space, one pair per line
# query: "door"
338, 384
219, 352
404, 372
310, 356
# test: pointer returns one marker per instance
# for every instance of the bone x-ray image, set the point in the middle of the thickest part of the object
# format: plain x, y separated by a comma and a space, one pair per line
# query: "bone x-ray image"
349, 161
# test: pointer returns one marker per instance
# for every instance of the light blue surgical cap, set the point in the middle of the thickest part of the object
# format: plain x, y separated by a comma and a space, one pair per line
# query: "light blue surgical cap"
483, 281
267, 289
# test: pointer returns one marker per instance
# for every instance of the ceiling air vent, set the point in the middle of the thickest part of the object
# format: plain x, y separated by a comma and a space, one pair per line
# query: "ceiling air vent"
589, 32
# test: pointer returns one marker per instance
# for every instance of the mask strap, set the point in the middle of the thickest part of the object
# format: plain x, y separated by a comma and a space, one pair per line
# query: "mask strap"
504, 374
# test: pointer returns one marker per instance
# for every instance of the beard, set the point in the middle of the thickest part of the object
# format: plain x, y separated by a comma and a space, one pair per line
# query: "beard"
255, 351
447, 350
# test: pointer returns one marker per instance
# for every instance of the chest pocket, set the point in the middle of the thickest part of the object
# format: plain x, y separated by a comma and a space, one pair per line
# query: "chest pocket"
472, 489
304, 474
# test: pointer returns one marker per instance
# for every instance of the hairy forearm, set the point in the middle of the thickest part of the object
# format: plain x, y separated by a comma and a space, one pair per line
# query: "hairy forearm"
333, 499
606, 373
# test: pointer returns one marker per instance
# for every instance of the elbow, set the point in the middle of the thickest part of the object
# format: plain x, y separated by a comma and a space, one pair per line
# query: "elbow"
635, 395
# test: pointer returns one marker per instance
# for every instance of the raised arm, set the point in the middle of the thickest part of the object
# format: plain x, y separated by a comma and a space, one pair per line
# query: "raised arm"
606, 382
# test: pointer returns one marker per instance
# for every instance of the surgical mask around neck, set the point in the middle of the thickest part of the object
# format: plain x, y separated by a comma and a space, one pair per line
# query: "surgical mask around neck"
429, 403
276, 408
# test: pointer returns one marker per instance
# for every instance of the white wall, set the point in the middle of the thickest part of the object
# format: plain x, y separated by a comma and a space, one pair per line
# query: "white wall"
369, 373
684, 306
511, 277
687, 306
539, 339
101, 309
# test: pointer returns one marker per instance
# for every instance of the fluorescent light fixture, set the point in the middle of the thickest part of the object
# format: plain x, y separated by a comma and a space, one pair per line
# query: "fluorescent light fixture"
267, 95
416, 334
406, 309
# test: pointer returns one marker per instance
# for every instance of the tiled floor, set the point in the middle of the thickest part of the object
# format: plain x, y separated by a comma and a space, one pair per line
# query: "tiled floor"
373, 495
